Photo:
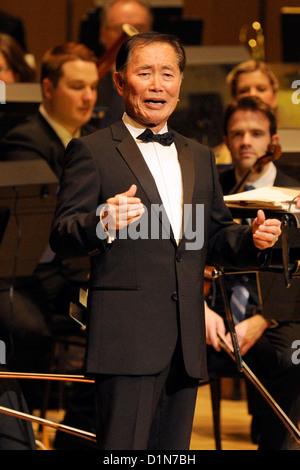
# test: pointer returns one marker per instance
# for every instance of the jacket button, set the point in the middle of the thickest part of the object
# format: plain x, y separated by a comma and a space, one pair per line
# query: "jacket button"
179, 258
174, 296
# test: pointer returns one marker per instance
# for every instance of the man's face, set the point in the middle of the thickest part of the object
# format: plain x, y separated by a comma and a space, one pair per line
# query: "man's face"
256, 84
72, 101
151, 84
248, 138
120, 13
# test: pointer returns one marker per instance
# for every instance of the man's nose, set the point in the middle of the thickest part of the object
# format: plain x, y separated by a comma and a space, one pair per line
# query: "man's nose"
246, 139
156, 82
88, 94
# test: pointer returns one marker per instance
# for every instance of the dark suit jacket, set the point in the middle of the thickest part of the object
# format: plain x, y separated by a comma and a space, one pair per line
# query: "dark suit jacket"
279, 302
34, 138
143, 293
227, 180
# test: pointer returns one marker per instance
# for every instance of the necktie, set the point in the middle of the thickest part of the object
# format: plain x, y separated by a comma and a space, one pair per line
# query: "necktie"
248, 187
238, 302
240, 294
163, 139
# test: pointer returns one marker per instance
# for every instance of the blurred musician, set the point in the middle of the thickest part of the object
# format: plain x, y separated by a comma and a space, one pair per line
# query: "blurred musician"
13, 65
265, 337
250, 78
69, 79
114, 14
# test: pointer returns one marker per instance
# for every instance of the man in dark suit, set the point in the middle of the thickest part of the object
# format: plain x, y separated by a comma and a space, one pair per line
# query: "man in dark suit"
265, 331
147, 212
69, 79
69, 92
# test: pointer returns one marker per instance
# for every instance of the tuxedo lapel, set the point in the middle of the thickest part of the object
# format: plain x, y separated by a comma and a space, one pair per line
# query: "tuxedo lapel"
187, 164
134, 159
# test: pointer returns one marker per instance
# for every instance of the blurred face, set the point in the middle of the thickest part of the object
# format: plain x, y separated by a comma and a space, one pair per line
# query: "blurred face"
256, 84
151, 84
248, 138
6, 73
120, 13
72, 101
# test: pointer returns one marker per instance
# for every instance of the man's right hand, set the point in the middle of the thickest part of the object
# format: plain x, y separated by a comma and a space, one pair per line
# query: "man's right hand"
213, 323
122, 210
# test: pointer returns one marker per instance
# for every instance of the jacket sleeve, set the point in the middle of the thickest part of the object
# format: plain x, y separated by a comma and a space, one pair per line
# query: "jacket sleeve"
76, 228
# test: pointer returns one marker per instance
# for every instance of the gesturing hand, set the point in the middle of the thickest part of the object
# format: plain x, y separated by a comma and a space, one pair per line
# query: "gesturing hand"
122, 210
265, 231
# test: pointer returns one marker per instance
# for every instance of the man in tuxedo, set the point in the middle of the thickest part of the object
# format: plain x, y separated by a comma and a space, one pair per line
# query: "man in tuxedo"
147, 208
265, 331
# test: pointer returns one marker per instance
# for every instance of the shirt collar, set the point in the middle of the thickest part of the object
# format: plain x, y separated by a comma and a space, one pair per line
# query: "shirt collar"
135, 128
64, 135
267, 179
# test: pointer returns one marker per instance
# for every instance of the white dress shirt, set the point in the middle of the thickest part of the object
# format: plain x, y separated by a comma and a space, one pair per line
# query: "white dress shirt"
267, 179
163, 163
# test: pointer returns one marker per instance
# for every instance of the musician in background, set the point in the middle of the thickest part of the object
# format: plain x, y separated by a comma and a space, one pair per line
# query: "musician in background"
250, 78
69, 79
114, 14
13, 25
265, 340
13, 65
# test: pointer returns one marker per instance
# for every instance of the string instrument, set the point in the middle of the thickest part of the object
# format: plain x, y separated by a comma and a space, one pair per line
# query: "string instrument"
273, 153
107, 60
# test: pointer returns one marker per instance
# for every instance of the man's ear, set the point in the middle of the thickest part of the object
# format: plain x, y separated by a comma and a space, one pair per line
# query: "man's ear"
118, 82
47, 88
225, 140
275, 139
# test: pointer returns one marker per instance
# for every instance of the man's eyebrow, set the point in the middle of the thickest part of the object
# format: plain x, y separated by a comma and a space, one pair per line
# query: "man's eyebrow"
151, 66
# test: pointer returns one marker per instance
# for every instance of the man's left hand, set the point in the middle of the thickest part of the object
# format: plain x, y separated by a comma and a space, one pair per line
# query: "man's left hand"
265, 231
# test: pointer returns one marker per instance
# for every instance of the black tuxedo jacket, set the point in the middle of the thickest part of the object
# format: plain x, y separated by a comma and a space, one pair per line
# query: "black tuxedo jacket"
34, 138
144, 293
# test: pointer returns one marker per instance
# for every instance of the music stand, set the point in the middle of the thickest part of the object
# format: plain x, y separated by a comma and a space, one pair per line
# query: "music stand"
28, 193
285, 260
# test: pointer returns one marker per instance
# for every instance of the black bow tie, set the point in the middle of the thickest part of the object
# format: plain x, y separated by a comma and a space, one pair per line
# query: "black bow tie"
163, 139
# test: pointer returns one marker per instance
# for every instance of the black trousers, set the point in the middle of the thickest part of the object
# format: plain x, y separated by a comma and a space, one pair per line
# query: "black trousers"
147, 412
